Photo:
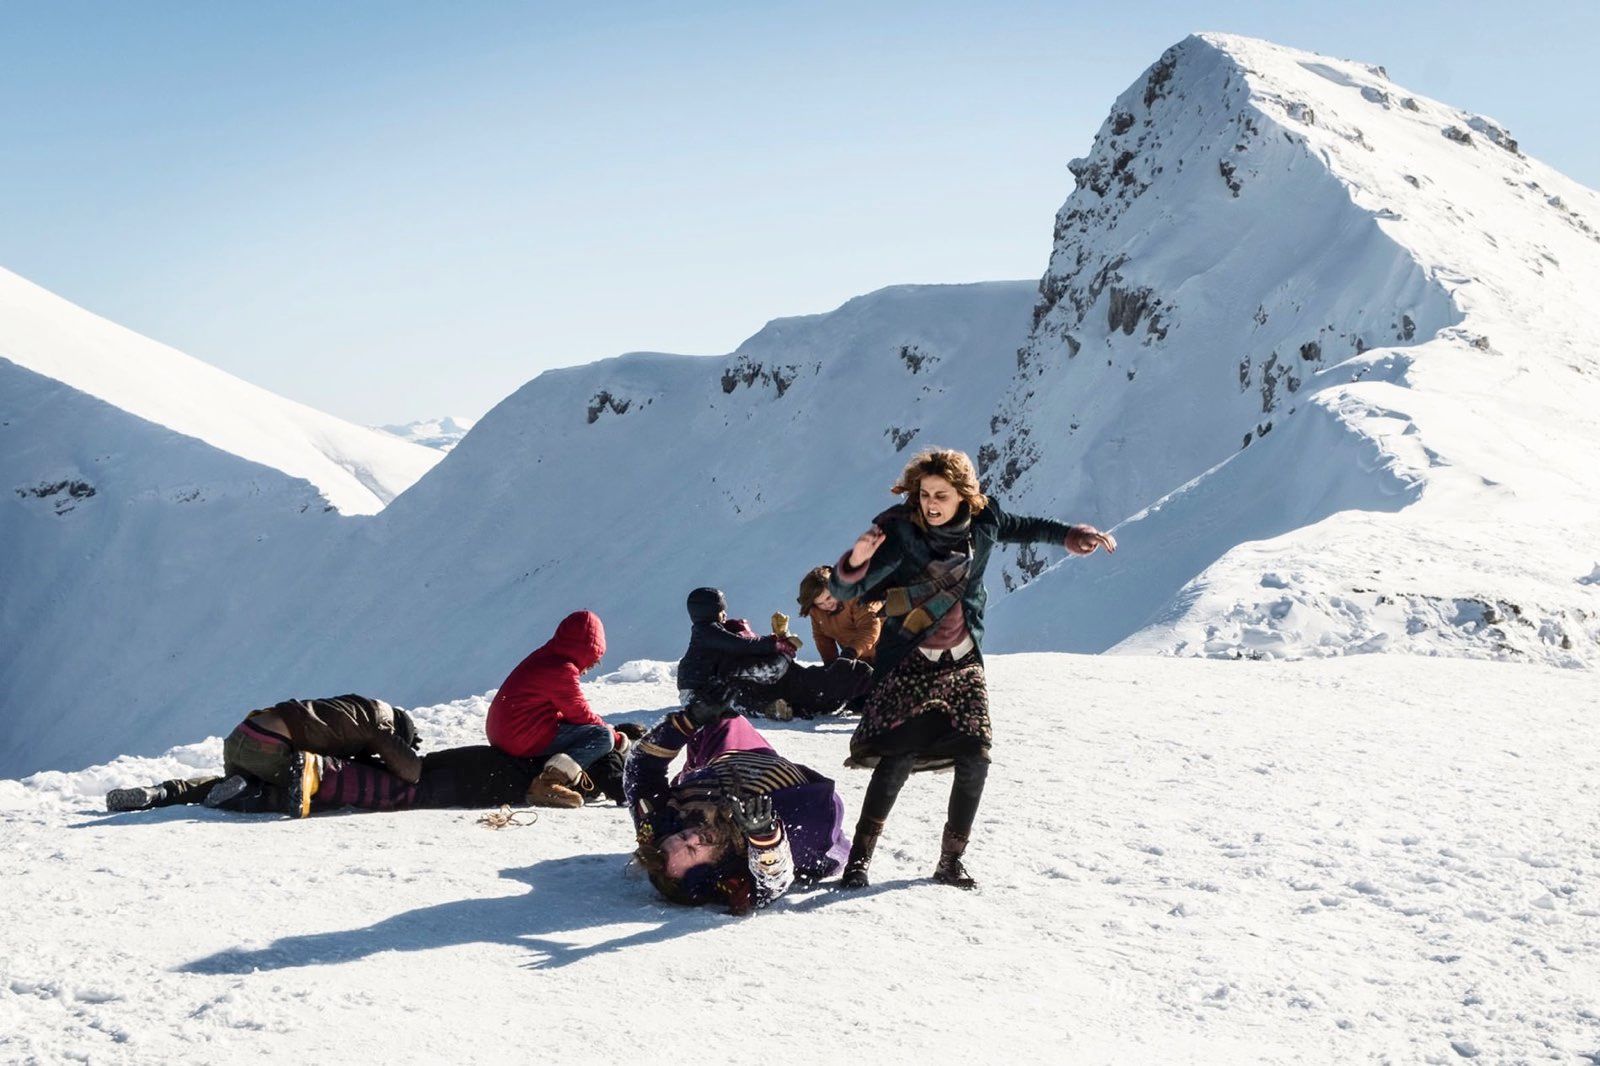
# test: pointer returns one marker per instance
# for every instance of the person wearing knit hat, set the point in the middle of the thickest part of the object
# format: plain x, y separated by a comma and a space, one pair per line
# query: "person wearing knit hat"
728, 664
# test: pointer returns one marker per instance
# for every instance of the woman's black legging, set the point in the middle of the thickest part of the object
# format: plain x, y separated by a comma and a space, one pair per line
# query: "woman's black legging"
901, 747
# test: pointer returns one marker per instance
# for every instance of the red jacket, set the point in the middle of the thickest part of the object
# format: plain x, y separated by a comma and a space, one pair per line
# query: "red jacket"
543, 690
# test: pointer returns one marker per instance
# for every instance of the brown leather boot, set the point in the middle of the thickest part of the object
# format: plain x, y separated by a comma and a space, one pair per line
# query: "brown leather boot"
950, 871
855, 867
554, 787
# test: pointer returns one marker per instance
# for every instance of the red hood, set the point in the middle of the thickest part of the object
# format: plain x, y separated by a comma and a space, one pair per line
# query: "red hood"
579, 638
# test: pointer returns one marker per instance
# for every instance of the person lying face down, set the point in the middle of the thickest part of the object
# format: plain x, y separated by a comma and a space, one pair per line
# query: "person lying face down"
739, 824
281, 746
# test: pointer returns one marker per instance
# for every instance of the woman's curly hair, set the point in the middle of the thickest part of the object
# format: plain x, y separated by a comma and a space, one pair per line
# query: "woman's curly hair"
955, 467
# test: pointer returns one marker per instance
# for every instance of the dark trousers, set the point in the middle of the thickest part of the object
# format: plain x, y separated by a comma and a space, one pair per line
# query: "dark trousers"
814, 690
190, 790
927, 733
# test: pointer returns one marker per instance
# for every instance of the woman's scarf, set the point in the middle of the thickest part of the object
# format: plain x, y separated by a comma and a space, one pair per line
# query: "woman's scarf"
920, 605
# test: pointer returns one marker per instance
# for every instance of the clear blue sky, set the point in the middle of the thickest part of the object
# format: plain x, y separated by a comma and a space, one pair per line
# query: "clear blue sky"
392, 211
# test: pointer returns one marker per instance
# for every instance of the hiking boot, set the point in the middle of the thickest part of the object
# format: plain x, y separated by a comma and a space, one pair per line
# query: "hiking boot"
139, 798
861, 848
548, 790
780, 711
246, 795
224, 792
950, 871
557, 784
305, 777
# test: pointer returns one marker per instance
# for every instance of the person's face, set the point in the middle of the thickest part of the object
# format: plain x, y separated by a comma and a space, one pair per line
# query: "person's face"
939, 499
686, 850
825, 602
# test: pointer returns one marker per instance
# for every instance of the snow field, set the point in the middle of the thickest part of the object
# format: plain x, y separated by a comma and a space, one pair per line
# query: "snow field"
1364, 859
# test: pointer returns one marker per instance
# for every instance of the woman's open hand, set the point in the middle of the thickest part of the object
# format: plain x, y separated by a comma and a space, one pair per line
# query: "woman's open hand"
866, 546
1083, 540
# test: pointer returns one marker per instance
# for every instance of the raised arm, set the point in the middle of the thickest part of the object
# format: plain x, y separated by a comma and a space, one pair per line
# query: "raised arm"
771, 861
866, 565
644, 775
1027, 529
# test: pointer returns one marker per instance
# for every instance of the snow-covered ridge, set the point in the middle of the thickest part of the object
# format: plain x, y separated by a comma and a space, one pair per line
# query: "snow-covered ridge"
1324, 347
358, 470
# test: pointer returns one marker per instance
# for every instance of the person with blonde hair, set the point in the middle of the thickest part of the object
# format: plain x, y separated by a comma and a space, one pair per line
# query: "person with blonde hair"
928, 708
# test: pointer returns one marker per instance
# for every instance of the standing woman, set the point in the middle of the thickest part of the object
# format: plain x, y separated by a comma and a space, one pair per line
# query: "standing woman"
929, 705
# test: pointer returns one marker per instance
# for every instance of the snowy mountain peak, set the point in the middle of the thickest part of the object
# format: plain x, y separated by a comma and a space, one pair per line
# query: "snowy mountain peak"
1286, 289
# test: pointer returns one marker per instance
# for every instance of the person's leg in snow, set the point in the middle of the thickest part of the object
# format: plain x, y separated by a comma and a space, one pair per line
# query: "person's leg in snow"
166, 794
966, 791
585, 743
888, 778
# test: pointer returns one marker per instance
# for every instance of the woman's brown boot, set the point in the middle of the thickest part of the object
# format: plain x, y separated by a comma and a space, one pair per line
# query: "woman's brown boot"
950, 871
855, 867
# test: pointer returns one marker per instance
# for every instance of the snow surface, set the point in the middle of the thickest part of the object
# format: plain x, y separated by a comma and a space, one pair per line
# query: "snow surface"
1374, 859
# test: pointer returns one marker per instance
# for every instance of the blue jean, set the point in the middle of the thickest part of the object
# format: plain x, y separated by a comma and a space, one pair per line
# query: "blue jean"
585, 743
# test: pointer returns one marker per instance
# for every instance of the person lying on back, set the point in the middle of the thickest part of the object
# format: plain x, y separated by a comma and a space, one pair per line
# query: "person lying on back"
739, 824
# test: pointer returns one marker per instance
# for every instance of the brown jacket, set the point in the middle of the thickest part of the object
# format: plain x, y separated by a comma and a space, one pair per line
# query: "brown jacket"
854, 625
347, 726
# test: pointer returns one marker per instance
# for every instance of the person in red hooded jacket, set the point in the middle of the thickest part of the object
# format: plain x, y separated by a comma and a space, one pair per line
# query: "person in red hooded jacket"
540, 712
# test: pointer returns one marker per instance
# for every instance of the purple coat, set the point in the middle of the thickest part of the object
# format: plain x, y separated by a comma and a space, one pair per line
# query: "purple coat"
812, 814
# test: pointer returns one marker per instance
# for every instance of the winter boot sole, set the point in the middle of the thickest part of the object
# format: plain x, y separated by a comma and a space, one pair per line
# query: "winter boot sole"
225, 791
141, 798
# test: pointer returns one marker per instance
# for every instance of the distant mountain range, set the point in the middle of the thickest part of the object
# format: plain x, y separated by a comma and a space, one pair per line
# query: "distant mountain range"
440, 433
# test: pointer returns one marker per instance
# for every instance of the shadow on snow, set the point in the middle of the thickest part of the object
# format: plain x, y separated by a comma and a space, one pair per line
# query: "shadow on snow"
562, 899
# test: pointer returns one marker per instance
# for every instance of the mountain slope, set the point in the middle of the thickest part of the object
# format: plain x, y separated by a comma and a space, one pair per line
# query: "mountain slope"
357, 469
154, 510
1319, 349
1263, 238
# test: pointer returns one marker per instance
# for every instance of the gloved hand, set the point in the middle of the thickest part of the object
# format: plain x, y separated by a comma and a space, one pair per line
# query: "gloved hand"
753, 816
780, 629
